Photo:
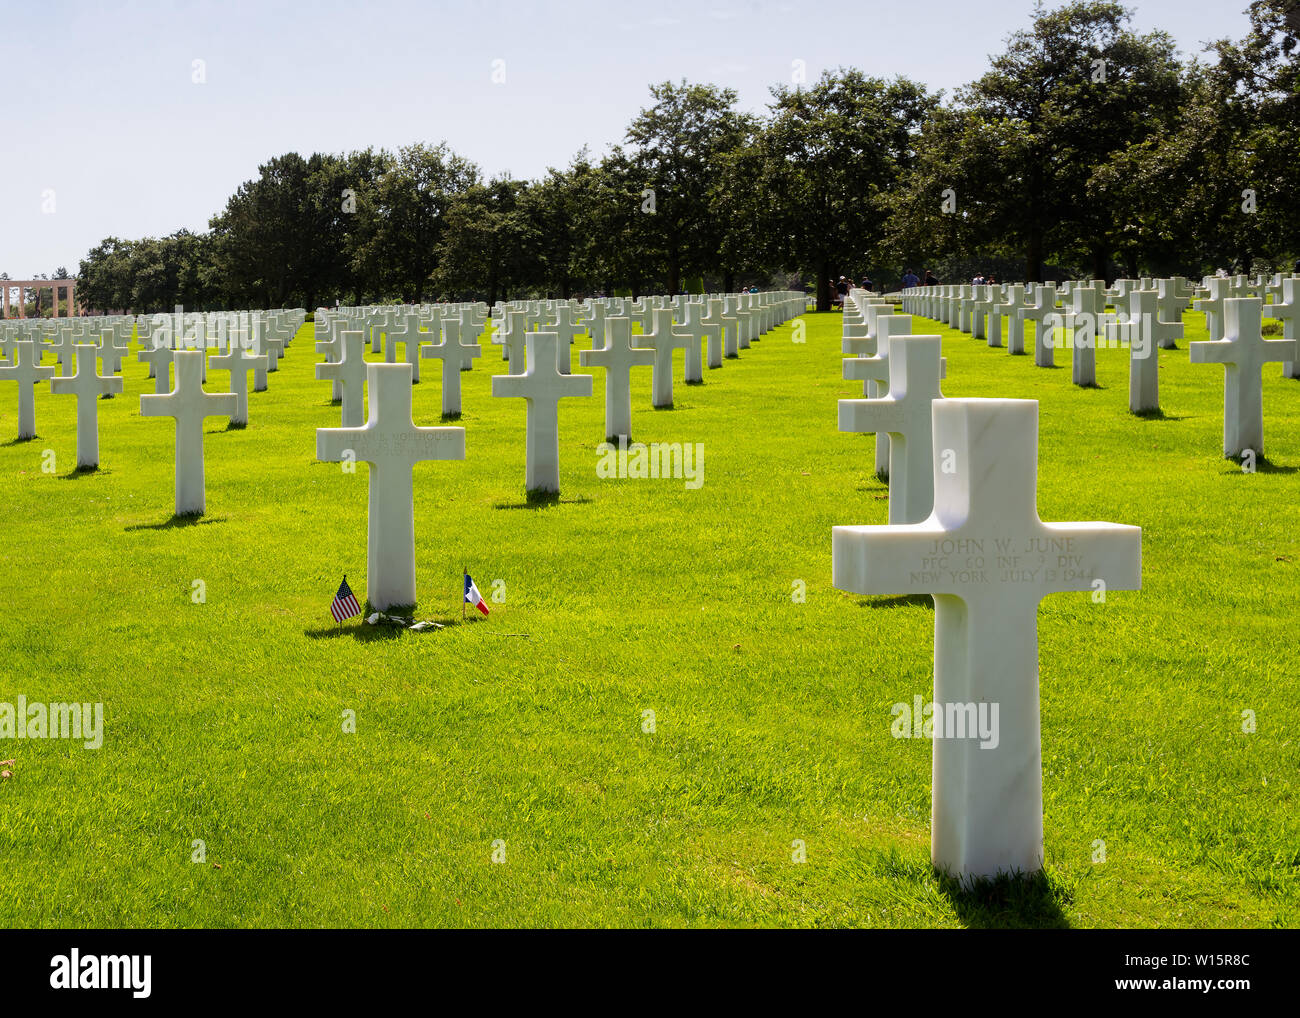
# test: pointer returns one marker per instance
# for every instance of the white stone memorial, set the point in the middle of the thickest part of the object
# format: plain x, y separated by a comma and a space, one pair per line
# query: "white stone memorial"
663, 338
87, 385
239, 362
903, 413
27, 372
1243, 351
987, 560
542, 386
454, 356
392, 444
159, 359
1147, 334
618, 357
349, 372
189, 404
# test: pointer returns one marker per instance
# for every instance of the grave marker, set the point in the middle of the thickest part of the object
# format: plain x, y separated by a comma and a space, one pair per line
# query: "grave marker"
1243, 351
26, 371
542, 386
189, 404
987, 560
392, 444
349, 372
903, 413
618, 357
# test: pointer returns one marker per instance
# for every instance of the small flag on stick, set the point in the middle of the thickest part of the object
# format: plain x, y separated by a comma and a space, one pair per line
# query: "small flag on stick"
345, 603
472, 596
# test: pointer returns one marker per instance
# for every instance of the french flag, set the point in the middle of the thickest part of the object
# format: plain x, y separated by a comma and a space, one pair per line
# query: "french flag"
472, 596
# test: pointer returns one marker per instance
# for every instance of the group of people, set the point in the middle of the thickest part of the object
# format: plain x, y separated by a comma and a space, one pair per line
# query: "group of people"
840, 288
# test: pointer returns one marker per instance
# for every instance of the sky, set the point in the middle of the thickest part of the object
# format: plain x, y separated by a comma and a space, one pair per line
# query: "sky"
134, 119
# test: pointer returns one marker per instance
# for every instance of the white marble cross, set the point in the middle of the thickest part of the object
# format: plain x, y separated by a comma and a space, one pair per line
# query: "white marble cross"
349, 371
512, 335
903, 413
987, 560
1044, 306
377, 324
981, 304
409, 334
1147, 334
159, 359
26, 371
1243, 351
542, 386
696, 332
618, 357
1283, 309
565, 328
730, 326
87, 385
189, 404
663, 338
110, 352
1082, 325
1212, 307
392, 444
268, 346
64, 346
873, 371
1170, 305
593, 320
454, 357
332, 348
1015, 300
239, 363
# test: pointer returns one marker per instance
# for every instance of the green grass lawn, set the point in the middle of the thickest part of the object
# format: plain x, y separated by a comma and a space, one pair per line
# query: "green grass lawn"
224, 720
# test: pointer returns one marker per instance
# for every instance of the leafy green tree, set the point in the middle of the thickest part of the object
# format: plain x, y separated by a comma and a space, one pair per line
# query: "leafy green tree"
485, 243
833, 151
677, 146
1066, 95
404, 221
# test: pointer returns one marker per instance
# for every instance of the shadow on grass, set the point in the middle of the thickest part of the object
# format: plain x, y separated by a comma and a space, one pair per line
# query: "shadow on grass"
357, 629
177, 522
361, 631
19, 441
1262, 466
451, 417
1007, 902
1157, 415
897, 601
540, 500
81, 472
232, 426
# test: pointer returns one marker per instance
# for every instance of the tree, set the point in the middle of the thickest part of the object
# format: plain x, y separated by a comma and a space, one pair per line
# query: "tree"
405, 221
832, 152
483, 254
677, 146
1060, 101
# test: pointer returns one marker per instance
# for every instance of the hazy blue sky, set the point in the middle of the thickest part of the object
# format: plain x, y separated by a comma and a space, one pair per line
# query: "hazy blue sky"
103, 112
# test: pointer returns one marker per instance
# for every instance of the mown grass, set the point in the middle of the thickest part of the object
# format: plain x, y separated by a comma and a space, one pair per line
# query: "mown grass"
224, 720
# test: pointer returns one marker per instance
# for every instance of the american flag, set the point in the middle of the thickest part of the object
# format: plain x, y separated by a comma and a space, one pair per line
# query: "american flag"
345, 603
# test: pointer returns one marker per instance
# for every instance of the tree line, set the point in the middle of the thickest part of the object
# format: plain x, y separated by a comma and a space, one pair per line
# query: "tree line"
1085, 149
